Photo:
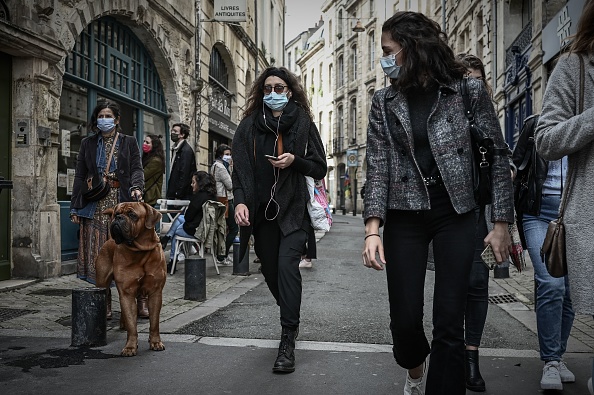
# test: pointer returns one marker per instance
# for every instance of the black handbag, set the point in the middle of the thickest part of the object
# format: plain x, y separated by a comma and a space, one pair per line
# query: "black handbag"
97, 184
482, 152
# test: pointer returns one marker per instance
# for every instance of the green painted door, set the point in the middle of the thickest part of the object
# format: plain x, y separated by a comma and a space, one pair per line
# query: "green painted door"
5, 144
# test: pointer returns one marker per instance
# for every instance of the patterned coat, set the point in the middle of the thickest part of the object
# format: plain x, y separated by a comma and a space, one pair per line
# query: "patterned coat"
561, 132
394, 179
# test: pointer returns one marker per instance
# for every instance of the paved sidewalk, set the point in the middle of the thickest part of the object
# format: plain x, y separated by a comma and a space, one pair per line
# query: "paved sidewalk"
43, 308
521, 287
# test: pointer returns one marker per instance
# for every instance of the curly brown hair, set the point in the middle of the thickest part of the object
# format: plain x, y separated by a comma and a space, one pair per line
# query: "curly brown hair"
256, 95
427, 56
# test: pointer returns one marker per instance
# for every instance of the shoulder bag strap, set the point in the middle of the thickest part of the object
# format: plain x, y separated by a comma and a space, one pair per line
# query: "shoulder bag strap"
569, 183
108, 163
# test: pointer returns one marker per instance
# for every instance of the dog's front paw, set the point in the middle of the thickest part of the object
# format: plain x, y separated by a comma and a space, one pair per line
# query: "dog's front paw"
129, 351
157, 346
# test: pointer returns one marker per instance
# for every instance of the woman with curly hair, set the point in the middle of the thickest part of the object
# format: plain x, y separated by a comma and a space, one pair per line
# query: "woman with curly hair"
275, 146
419, 185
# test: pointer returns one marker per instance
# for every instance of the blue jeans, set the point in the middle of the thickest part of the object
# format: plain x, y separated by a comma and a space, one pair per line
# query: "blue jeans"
554, 312
177, 229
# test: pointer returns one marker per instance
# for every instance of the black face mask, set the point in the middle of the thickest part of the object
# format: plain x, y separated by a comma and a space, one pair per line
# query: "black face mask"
175, 138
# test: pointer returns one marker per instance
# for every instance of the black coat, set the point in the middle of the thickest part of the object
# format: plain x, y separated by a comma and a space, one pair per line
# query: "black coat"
129, 171
180, 177
532, 171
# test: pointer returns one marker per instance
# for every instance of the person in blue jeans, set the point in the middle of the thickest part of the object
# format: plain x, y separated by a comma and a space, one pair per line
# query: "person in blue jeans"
185, 225
542, 184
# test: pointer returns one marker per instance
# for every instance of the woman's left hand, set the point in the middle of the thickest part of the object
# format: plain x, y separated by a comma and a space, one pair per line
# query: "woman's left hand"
500, 241
284, 160
136, 195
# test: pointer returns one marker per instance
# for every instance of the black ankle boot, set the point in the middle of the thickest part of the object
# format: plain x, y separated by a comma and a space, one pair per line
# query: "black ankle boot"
474, 380
164, 240
285, 361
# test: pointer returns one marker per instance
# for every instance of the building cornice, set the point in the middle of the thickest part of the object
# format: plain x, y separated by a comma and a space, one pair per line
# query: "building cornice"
17, 41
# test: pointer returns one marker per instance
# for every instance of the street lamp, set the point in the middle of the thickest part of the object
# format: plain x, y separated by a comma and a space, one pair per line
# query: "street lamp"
358, 28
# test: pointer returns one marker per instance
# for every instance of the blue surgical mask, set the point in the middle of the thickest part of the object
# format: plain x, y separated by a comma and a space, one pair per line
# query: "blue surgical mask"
389, 65
276, 101
105, 124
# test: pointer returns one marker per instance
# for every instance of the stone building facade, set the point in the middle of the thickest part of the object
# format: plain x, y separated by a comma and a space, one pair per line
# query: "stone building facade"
57, 57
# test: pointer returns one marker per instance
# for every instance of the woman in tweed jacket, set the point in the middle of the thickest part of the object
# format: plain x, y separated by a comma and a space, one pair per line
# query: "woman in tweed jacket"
419, 185
565, 130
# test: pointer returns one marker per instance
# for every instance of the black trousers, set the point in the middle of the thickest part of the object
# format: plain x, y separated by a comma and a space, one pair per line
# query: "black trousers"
280, 256
406, 240
477, 301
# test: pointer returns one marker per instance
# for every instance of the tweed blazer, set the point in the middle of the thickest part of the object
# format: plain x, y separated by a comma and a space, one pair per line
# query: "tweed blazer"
562, 131
394, 179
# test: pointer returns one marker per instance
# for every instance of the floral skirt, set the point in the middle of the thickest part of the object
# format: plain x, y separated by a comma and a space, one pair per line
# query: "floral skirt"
93, 233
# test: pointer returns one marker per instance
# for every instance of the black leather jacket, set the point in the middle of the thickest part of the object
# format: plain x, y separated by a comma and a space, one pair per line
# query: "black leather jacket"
180, 177
532, 171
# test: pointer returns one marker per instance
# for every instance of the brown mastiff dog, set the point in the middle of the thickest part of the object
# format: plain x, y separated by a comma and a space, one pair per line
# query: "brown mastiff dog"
134, 258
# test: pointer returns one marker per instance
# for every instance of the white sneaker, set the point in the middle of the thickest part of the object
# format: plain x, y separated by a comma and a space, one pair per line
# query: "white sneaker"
181, 257
225, 262
551, 379
590, 386
305, 263
566, 375
415, 386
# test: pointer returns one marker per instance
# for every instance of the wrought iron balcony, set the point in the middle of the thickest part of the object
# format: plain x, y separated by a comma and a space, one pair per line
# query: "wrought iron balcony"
337, 145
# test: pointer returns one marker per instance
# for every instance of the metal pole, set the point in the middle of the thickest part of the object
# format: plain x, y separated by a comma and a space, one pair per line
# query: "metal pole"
494, 46
256, 37
241, 265
355, 192
443, 15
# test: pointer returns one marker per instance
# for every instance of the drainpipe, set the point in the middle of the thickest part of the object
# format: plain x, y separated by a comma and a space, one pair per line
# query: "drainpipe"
256, 38
494, 71
443, 15
197, 77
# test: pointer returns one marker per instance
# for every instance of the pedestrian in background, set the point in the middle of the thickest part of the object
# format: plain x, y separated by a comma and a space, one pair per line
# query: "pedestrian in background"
565, 128
477, 299
275, 146
124, 175
221, 170
419, 185
183, 164
185, 225
153, 163
542, 184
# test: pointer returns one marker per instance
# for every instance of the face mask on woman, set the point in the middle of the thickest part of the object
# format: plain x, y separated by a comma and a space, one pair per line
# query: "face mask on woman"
276, 101
389, 65
105, 124
227, 158
146, 148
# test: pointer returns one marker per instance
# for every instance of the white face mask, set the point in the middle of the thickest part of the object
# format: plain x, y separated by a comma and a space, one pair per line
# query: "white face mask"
389, 65
105, 124
227, 158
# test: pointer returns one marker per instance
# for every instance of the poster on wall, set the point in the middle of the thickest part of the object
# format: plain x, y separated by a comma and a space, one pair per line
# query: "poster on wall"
70, 181
230, 10
65, 143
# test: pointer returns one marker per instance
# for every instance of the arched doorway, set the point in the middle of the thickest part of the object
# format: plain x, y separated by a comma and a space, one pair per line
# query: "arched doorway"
107, 61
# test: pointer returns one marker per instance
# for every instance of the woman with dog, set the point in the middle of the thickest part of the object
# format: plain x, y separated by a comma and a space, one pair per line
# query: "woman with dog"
275, 146
124, 176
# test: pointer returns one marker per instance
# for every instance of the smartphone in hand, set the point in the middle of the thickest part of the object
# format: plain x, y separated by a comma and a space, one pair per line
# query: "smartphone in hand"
488, 257
271, 157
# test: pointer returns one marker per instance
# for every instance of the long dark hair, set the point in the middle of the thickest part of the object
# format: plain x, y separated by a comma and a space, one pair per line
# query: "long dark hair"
426, 53
474, 62
206, 182
583, 41
256, 95
101, 104
157, 150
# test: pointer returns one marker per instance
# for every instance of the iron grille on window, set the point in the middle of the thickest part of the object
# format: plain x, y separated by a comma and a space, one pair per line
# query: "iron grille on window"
107, 54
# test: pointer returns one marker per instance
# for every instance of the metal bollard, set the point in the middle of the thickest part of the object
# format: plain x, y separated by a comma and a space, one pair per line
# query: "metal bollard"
241, 267
195, 279
89, 317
